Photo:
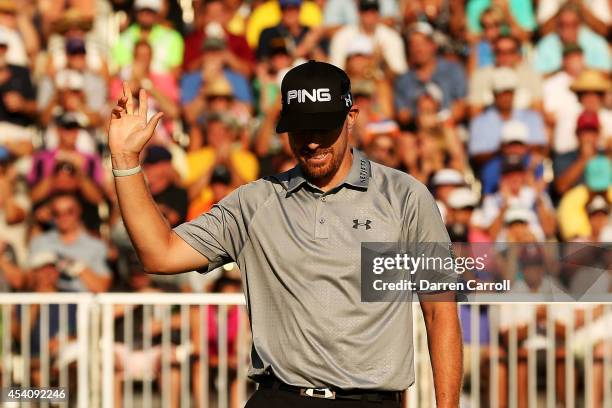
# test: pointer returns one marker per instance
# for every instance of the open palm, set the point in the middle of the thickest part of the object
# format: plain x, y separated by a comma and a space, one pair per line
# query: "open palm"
129, 131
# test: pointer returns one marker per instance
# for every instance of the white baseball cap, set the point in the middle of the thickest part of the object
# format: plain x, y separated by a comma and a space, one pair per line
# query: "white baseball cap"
514, 131
517, 214
70, 79
360, 45
462, 197
504, 79
155, 5
448, 177
42, 258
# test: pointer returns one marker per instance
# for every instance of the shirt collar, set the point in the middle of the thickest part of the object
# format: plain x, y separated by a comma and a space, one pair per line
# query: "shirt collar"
358, 176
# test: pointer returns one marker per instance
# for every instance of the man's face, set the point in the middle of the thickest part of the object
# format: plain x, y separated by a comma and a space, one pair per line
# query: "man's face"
66, 213
507, 53
290, 16
573, 63
591, 101
46, 276
67, 137
567, 27
146, 18
504, 100
514, 181
490, 26
217, 134
143, 55
320, 152
77, 61
382, 150
422, 49
158, 176
514, 149
588, 137
369, 18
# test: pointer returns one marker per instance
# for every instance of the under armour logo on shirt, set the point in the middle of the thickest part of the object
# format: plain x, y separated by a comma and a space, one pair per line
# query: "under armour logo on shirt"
366, 224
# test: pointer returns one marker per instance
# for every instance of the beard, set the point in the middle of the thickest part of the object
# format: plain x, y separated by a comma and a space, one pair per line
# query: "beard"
326, 168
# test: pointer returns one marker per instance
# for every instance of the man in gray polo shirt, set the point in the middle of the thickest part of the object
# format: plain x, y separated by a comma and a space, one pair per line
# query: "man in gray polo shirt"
297, 237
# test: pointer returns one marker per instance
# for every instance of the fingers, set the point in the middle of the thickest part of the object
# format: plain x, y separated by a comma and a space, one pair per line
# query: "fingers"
153, 122
143, 104
127, 93
117, 112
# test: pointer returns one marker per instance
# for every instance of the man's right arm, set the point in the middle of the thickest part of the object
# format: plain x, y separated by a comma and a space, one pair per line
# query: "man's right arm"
160, 249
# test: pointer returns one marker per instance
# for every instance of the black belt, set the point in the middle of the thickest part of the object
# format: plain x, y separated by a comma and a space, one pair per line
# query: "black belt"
332, 393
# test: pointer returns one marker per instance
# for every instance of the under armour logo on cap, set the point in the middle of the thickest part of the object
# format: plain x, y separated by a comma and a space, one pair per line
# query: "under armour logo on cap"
366, 224
316, 96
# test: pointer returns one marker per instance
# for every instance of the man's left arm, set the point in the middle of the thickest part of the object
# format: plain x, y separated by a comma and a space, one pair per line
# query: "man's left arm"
445, 346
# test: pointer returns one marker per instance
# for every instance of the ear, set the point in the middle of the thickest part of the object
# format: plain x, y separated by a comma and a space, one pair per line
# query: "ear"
351, 118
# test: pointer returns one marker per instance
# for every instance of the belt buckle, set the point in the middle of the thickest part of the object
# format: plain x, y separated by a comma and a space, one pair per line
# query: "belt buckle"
325, 393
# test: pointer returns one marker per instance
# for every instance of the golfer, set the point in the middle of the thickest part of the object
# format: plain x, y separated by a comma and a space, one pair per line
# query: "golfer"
296, 237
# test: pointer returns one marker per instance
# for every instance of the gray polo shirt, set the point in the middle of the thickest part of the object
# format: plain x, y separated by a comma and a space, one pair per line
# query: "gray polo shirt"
299, 255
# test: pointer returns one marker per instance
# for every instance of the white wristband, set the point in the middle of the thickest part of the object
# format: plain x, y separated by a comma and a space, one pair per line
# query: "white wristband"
127, 172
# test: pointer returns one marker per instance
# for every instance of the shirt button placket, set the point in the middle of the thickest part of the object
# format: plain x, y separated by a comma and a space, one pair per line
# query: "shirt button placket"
321, 221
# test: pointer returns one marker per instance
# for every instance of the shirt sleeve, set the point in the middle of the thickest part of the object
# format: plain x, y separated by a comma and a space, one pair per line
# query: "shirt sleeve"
537, 132
218, 234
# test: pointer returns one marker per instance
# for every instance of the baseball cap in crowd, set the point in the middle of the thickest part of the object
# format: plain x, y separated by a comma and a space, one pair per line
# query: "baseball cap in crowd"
504, 79
72, 18
315, 95
516, 214
43, 258
70, 79
290, 3
422, 27
462, 197
512, 163
219, 88
75, 46
154, 5
157, 154
588, 120
598, 204
384, 127
360, 45
363, 87
365, 5
222, 175
68, 120
598, 173
448, 177
514, 131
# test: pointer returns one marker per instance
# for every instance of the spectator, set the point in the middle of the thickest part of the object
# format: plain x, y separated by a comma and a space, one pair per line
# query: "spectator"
162, 181
339, 13
379, 142
213, 70
485, 129
590, 88
94, 86
162, 88
596, 15
212, 19
300, 41
514, 138
570, 172
14, 209
17, 103
481, 52
570, 29
12, 278
426, 67
70, 99
443, 183
269, 74
461, 204
561, 105
362, 67
528, 92
18, 32
74, 27
82, 257
518, 197
169, 46
519, 15
386, 40
268, 14
571, 214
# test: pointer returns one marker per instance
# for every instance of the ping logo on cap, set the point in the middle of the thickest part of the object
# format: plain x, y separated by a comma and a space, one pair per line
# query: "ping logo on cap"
317, 95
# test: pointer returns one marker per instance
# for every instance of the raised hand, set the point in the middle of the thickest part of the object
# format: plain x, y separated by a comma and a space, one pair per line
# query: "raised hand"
129, 131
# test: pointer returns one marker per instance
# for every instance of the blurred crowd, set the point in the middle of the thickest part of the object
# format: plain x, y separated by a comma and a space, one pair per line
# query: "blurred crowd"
502, 108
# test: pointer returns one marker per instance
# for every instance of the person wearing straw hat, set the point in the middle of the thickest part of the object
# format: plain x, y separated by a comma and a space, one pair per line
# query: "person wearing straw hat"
296, 237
